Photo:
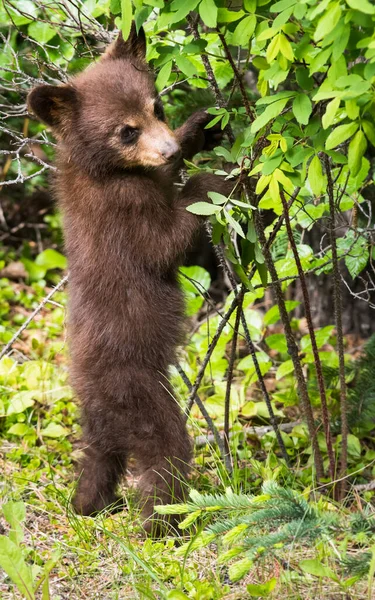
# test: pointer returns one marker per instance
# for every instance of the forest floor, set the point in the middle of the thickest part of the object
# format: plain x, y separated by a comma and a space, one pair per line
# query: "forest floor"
109, 558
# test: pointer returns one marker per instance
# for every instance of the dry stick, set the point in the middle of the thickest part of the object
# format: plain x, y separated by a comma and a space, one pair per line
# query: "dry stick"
225, 457
291, 344
230, 375
8, 346
318, 364
340, 338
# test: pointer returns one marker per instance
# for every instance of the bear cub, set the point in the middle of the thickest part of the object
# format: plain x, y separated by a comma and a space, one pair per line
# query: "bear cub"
126, 230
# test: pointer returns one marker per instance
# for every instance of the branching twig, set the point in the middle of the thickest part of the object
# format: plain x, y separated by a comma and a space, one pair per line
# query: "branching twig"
216, 436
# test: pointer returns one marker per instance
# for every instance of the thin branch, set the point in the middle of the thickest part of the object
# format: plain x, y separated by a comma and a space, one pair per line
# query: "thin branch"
216, 436
230, 374
314, 346
340, 338
291, 343
24, 326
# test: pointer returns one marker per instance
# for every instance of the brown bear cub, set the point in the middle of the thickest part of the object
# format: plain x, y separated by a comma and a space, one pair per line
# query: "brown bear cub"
126, 231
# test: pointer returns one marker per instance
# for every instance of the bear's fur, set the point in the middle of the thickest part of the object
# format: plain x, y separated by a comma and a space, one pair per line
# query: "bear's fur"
126, 231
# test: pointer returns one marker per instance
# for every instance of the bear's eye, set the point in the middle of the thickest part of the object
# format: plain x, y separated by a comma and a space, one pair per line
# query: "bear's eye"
159, 109
129, 135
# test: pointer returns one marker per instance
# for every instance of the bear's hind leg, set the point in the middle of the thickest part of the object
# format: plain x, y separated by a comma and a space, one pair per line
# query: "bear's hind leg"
99, 475
164, 458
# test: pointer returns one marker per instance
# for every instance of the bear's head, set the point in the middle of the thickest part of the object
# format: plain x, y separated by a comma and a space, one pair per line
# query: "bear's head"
109, 117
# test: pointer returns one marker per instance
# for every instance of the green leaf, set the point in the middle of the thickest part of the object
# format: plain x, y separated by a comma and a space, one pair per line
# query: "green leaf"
328, 21
244, 30
182, 8
51, 259
12, 562
208, 12
315, 567
176, 595
273, 315
284, 369
358, 256
302, 108
20, 429
20, 401
115, 7
272, 111
203, 208
217, 198
235, 224
330, 113
15, 513
163, 76
357, 148
262, 590
126, 18
229, 16
41, 32
340, 134
363, 6
54, 430
186, 66
315, 176
369, 130
354, 446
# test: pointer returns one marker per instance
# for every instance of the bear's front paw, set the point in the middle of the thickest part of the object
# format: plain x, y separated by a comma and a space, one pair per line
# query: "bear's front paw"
208, 138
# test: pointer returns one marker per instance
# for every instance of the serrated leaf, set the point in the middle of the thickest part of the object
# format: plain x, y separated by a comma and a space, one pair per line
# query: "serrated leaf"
357, 148
315, 176
331, 110
217, 198
208, 12
302, 108
203, 208
235, 224
340, 134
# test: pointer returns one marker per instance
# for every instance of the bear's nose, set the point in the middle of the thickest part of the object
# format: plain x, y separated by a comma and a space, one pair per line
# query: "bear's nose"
170, 150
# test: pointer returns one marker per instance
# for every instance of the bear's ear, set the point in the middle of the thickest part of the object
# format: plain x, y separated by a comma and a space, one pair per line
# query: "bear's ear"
52, 104
134, 47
